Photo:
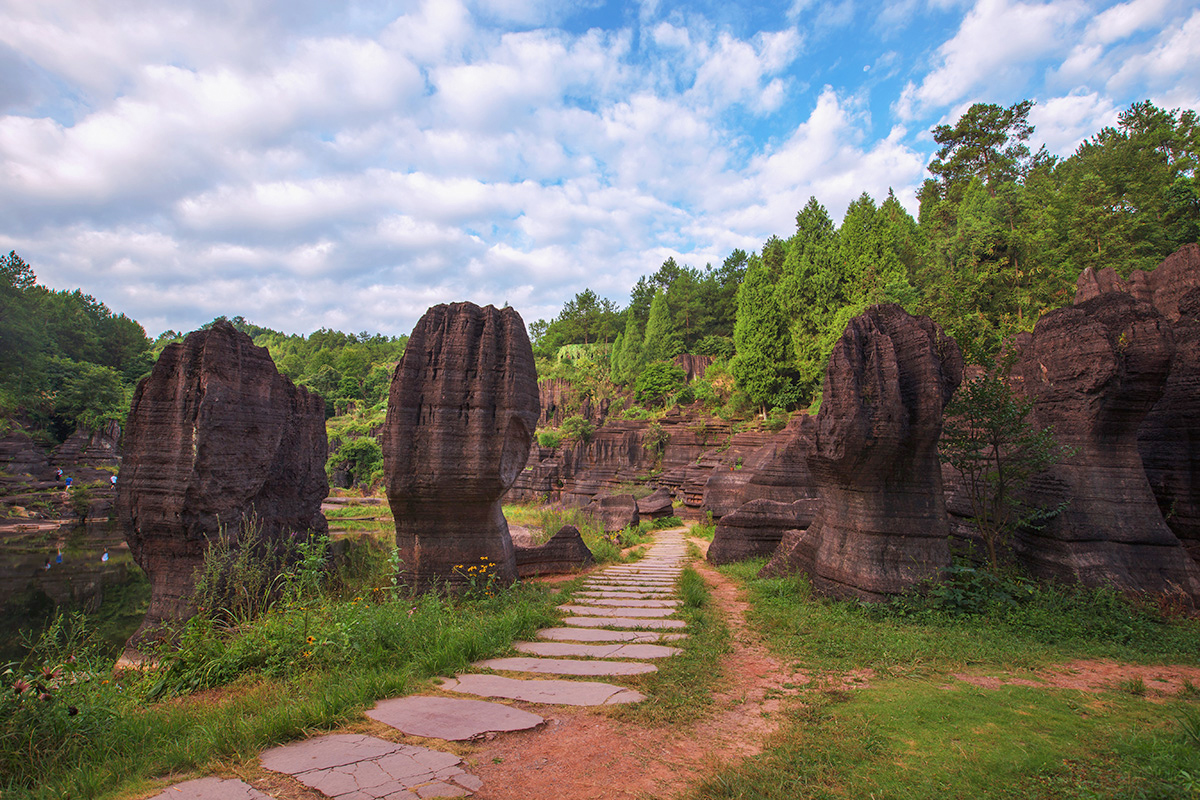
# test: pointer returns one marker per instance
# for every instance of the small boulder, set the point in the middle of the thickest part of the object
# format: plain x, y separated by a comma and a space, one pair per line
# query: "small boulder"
614, 512
565, 552
656, 505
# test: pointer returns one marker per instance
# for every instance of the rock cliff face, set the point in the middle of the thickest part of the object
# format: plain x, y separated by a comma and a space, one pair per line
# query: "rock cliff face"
1163, 288
1169, 438
215, 436
462, 410
769, 492
1094, 372
872, 451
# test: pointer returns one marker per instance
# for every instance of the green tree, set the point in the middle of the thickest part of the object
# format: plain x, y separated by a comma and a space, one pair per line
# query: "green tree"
990, 440
658, 382
761, 366
987, 142
663, 341
630, 360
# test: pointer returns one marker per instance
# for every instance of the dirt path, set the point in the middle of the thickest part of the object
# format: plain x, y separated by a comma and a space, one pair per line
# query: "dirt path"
586, 754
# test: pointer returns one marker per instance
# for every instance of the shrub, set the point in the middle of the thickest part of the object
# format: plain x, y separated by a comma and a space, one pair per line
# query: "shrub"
549, 438
577, 428
658, 382
361, 457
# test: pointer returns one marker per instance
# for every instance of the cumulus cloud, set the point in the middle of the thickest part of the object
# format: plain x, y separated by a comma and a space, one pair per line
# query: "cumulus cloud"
998, 40
310, 167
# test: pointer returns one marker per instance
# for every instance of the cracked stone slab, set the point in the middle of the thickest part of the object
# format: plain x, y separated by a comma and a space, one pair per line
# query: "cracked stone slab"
451, 718
564, 693
619, 611
622, 622
565, 666
615, 650
626, 595
604, 635
211, 789
349, 766
629, 586
627, 602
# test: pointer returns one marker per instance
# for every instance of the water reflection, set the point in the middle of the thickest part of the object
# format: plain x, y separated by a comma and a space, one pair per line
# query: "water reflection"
30, 592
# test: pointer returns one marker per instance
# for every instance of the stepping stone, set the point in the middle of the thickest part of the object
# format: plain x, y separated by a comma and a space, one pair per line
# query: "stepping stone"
622, 622
563, 693
618, 650
622, 595
628, 586
628, 602
621, 611
565, 666
211, 789
601, 635
356, 767
451, 718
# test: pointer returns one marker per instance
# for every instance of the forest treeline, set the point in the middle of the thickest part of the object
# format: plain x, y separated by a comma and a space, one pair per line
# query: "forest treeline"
66, 361
1001, 235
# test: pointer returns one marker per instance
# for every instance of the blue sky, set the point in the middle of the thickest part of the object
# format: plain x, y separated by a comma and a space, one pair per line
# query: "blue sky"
307, 167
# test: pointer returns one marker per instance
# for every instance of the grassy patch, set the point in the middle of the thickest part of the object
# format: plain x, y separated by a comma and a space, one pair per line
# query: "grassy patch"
306, 666
905, 738
917, 731
681, 690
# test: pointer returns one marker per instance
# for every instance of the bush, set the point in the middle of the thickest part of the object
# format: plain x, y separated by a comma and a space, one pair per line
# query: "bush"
361, 457
658, 382
577, 428
549, 438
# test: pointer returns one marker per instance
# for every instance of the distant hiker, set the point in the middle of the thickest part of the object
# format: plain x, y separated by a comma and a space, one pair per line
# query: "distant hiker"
114, 480
105, 556
58, 474
58, 558
47, 564
68, 483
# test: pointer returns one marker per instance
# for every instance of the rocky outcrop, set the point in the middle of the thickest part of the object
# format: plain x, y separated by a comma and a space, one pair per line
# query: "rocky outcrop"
778, 470
1162, 288
656, 505
216, 440
1094, 372
1169, 438
565, 552
88, 451
693, 366
756, 528
881, 526
614, 512
461, 414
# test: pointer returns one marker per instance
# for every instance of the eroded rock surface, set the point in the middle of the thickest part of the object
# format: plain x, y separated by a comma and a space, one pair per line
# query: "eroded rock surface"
1162, 288
1094, 372
756, 528
614, 512
872, 450
461, 413
1169, 438
215, 437
565, 552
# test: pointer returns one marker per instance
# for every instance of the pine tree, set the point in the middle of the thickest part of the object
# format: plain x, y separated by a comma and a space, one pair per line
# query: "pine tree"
761, 366
663, 341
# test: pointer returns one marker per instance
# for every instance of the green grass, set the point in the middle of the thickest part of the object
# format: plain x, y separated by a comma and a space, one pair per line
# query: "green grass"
681, 690
545, 521
916, 731
309, 666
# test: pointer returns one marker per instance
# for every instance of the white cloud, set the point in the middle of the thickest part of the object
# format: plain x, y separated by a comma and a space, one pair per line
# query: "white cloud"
1168, 67
1062, 123
998, 40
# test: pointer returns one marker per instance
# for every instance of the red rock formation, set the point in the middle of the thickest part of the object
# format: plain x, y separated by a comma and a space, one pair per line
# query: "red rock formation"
756, 528
614, 512
1094, 372
1169, 438
656, 505
461, 413
565, 552
1163, 288
215, 436
872, 451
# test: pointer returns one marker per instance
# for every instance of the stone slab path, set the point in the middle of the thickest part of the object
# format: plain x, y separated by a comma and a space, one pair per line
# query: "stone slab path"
451, 718
612, 628
350, 766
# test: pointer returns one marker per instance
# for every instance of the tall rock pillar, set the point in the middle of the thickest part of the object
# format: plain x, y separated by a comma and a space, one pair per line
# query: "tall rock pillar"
462, 410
